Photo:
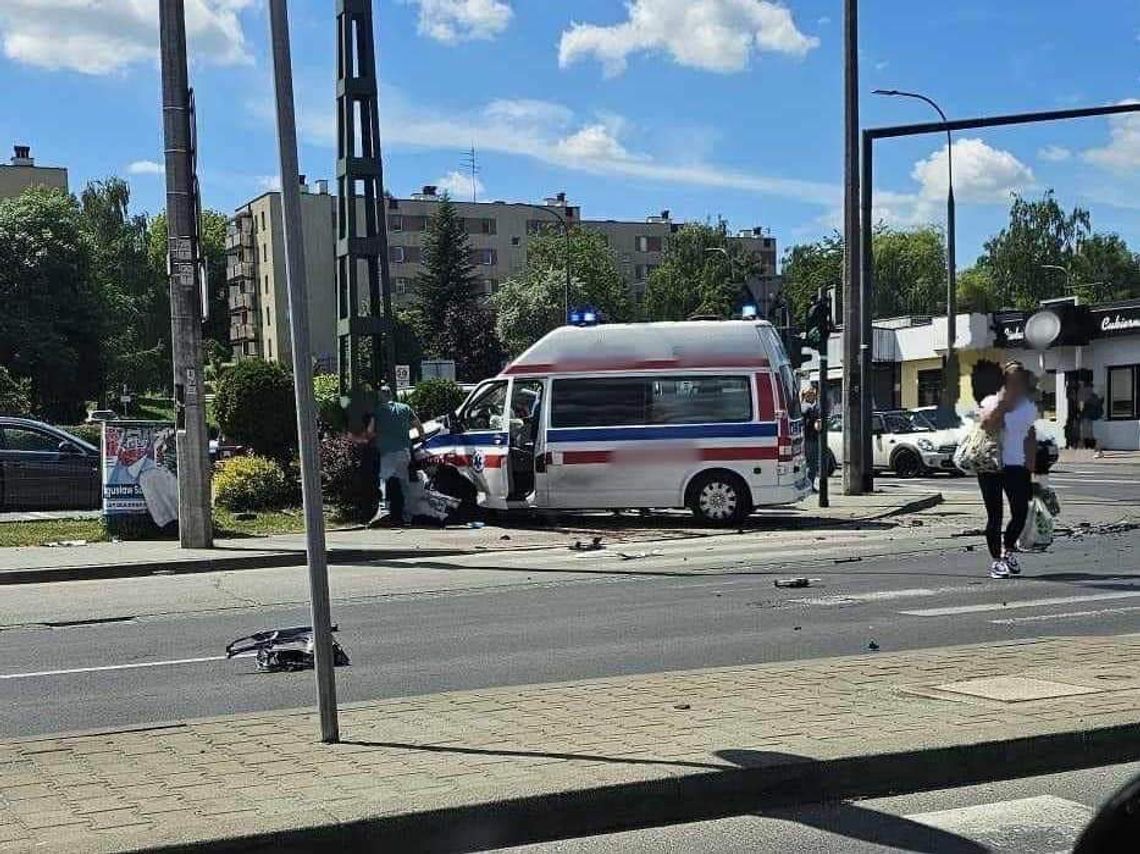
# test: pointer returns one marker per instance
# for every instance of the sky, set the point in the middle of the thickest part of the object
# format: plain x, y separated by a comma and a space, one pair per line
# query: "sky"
707, 108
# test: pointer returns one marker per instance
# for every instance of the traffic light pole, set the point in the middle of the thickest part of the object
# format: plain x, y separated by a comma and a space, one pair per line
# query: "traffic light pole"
824, 407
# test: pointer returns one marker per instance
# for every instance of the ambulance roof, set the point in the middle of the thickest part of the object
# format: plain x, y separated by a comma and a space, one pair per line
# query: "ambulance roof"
646, 347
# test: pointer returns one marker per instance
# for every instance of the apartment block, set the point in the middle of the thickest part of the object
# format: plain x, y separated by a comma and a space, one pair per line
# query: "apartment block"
255, 274
21, 172
499, 233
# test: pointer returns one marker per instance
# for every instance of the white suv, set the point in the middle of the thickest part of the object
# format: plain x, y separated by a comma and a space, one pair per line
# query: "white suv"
903, 442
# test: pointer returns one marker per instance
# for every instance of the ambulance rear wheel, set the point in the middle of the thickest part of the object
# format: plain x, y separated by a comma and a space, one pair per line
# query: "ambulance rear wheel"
719, 497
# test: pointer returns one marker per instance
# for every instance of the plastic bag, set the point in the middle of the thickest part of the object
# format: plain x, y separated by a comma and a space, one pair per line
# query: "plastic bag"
1038, 530
978, 453
1048, 496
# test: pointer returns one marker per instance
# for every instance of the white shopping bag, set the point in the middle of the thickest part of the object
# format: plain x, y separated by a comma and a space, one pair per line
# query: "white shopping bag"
1038, 531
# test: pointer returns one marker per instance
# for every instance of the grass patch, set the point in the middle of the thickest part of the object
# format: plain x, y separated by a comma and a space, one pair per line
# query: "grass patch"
45, 531
288, 521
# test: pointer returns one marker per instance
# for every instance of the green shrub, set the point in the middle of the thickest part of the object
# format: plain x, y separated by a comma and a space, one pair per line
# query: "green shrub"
90, 433
326, 391
254, 407
432, 398
250, 483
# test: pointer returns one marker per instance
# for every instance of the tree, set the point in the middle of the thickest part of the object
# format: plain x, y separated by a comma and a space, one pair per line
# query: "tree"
15, 394
808, 267
254, 405
694, 280
470, 336
530, 304
49, 328
448, 280
976, 291
1105, 269
1039, 233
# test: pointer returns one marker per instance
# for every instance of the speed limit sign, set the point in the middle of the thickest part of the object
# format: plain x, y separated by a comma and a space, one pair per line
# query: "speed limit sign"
403, 376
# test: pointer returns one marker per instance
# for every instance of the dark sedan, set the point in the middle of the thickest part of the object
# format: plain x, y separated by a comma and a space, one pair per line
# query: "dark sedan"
45, 468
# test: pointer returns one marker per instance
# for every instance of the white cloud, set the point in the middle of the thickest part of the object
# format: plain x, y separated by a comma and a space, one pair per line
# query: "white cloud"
713, 35
146, 167
459, 185
1054, 153
1122, 153
823, 21
453, 21
593, 143
105, 36
981, 173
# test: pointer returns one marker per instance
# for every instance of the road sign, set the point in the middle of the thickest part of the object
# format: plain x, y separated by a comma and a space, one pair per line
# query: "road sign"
403, 376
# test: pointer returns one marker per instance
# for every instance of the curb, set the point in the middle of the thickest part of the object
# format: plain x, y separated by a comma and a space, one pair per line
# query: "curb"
761, 781
354, 555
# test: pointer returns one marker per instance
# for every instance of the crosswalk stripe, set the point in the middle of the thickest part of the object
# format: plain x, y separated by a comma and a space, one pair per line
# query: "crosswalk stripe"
983, 607
1065, 615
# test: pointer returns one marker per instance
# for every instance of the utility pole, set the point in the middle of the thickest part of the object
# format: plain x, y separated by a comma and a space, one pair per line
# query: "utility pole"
366, 343
303, 372
824, 406
195, 526
854, 458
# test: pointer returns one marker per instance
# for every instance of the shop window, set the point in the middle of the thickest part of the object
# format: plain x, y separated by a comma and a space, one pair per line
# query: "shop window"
930, 387
1122, 393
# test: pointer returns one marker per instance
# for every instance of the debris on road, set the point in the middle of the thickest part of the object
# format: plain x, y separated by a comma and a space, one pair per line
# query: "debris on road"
505, 537
593, 546
285, 650
856, 559
683, 707
792, 582
874, 647
640, 555
55, 544
475, 526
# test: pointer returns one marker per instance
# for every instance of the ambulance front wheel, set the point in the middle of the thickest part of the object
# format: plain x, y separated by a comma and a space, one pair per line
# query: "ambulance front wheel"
719, 497
450, 482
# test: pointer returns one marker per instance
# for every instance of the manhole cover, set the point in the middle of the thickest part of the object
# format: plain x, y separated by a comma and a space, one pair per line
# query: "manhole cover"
1015, 689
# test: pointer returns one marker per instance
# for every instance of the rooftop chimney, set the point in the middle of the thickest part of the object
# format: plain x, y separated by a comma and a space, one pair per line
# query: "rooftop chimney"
23, 156
323, 187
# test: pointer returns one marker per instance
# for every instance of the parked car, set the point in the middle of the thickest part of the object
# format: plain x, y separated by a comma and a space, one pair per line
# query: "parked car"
901, 441
1048, 451
98, 416
45, 468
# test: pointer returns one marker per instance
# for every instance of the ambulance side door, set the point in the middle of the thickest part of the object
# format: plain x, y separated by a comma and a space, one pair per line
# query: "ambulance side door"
484, 443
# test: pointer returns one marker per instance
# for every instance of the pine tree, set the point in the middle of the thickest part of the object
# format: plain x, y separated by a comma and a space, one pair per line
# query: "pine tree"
448, 281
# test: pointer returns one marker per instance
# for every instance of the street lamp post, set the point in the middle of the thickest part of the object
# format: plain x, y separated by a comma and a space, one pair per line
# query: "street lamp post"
565, 226
951, 389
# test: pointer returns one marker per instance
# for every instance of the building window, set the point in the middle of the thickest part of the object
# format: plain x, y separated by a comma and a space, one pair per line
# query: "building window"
401, 287
244, 317
490, 286
648, 244
269, 347
1122, 393
395, 223
396, 254
484, 257
267, 283
538, 226
264, 252
263, 220
484, 225
414, 223
268, 321
930, 387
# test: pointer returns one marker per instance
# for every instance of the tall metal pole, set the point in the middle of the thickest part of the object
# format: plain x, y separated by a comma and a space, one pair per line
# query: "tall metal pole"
195, 527
302, 371
855, 463
824, 408
867, 292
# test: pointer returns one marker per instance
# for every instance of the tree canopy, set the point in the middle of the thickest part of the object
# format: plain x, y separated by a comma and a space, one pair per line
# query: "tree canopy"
701, 272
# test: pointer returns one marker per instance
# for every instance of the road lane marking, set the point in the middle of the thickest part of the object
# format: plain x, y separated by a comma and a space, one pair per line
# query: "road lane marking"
106, 667
1066, 615
882, 595
1092, 480
1024, 603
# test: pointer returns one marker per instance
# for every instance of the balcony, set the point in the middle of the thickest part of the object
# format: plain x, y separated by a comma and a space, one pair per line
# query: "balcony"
237, 270
243, 332
240, 235
242, 300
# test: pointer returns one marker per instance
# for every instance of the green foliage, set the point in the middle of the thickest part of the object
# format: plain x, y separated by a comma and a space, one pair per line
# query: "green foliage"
51, 322
1039, 232
254, 406
1105, 269
808, 267
976, 291
910, 272
92, 434
15, 394
448, 280
529, 305
432, 398
701, 272
326, 391
250, 483
470, 336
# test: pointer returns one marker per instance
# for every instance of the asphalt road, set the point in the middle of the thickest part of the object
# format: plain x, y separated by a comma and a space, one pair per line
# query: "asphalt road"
532, 617
1034, 815
1112, 480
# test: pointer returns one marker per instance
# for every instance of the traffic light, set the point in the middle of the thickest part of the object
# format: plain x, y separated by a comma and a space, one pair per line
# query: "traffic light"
793, 345
818, 327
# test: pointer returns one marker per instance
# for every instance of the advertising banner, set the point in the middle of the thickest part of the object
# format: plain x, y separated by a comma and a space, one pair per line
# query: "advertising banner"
140, 471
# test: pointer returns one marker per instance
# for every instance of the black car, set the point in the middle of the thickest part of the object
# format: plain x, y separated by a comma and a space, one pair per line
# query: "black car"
45, 468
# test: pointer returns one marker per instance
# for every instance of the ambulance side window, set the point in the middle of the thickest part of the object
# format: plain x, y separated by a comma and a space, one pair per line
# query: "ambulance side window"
485, 411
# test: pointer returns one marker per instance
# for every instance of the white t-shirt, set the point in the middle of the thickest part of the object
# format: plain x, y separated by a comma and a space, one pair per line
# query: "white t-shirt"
1015, 428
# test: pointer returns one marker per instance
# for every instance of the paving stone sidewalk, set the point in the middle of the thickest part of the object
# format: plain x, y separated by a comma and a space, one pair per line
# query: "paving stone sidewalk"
239, 777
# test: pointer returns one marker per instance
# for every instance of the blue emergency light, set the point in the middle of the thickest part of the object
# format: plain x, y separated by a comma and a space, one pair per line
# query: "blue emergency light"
585, 316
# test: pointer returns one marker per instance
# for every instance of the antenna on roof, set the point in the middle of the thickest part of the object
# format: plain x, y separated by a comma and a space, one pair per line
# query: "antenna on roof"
471, 164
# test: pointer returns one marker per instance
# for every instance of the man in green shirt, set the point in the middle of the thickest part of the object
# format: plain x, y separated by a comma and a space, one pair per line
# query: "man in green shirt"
392, 422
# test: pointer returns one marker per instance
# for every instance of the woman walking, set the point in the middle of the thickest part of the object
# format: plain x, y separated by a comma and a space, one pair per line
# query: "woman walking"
1010, 414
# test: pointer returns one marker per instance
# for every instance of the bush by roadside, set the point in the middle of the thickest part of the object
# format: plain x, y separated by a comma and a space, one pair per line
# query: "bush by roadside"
250, 483
347, 479
434, 397
90, 433
254, 406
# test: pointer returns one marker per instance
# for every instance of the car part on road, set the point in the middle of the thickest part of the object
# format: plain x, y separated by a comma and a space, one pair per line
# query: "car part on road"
285, 650
792, 582
593, 546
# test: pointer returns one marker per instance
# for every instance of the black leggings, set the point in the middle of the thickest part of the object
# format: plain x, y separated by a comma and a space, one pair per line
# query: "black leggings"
1015, 482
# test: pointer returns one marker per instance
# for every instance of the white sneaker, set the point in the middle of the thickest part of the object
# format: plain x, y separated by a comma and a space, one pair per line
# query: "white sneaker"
999, 569
1010, 561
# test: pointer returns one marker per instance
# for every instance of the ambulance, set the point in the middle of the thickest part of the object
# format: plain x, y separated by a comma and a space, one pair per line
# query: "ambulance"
699, 414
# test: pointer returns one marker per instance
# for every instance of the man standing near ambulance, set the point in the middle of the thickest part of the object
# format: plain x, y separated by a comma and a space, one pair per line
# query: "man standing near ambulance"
391, 424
